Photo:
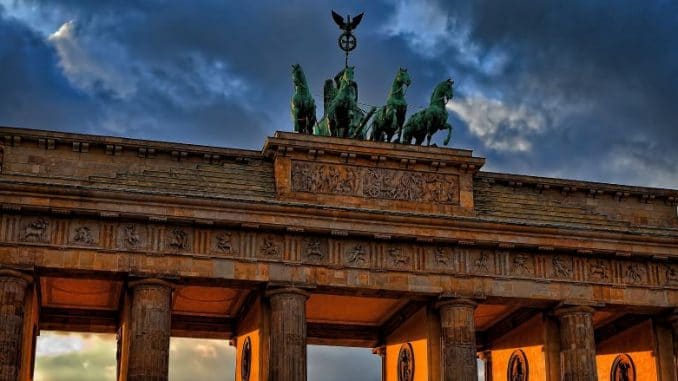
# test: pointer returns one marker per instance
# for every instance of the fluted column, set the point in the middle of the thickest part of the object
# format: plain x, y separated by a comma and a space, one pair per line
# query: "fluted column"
458, 339
287, 358
13, 286
577, 344
150, 330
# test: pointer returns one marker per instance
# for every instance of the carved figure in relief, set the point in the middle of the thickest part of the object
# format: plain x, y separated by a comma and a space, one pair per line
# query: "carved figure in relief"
560, 269
178, 239
518, 366
481, 263
224, 242
357, 255
36, 231
634, 273
313, 249
83, 234
520, 264
130, 235
398, 258
671, 275
269, 247
623, 369
598, 270
406, 363
441, 256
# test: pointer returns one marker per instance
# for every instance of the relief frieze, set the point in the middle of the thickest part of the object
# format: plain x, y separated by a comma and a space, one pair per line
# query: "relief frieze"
270, 246
599, 270
84, 235
35, 230
379, 183
224, 242
356, 254
178, 239
315, 249
132, 236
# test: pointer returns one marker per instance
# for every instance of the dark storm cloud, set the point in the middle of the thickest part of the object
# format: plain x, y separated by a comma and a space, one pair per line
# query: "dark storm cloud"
543, 87
604, 75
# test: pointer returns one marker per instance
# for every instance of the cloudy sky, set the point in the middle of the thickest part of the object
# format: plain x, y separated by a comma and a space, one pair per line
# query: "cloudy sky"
577, 89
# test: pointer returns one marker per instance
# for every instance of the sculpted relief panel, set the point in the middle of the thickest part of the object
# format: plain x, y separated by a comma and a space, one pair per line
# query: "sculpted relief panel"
379, 183
463, 259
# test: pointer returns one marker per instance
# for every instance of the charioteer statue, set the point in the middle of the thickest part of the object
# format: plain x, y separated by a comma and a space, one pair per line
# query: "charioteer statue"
343, 117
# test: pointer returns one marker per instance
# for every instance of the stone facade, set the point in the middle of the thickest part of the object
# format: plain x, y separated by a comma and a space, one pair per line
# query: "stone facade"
424, 250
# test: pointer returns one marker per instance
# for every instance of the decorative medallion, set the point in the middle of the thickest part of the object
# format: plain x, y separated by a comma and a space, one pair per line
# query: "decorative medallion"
246, 360
623, 369
517, 367
406, 363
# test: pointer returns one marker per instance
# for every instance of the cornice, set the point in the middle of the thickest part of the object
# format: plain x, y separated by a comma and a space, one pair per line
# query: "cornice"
300, 217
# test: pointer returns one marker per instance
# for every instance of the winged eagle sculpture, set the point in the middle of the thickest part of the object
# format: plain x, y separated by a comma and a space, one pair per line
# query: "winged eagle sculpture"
348, 24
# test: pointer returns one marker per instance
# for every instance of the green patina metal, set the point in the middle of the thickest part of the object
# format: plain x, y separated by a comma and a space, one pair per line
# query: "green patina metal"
423, 124
388, 120
302, 103
344, 118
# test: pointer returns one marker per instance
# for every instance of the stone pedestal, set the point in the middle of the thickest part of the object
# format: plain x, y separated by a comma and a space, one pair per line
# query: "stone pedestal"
149, 330
287, 356
13, 286
577, 344
458, 339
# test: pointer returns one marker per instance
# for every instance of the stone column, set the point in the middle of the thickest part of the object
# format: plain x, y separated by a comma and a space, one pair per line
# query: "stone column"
674, 328
13, 286
458, 339
149, 330
287, 352
577, 344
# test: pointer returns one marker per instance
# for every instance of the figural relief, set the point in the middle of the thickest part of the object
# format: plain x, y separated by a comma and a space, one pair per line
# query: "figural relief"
397, 257
482, 263
130, 237
314, 250
561, 267
671, 275
36, 230
83, 235
520, 265
634, 273
441, 256
223, 242
270, 247
356, 255
177, 239
598, 270
378, 183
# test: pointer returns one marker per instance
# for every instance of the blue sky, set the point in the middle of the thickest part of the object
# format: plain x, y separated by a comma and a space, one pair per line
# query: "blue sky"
576, 89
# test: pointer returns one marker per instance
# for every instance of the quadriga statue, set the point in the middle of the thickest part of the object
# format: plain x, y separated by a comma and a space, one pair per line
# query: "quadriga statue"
388, 120
302, 103
343, 118
423, 124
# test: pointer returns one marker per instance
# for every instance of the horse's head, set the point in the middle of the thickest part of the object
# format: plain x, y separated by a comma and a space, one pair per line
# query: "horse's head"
347, 75
298, 76
403, 78
443, 91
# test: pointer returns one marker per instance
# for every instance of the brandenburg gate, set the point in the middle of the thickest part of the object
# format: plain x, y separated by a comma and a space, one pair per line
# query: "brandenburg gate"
413, 251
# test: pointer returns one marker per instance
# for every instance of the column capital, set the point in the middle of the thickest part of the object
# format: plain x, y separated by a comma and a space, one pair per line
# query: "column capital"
379, 351
287, 290
455, 302
8, 273
573, 310
151, 282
